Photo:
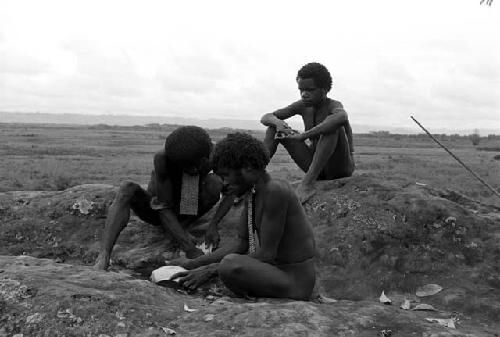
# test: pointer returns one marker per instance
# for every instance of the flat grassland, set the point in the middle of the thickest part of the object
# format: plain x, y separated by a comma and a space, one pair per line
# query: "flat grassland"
55, 157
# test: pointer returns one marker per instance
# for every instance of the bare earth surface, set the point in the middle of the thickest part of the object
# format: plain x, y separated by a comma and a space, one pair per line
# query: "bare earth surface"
372, 236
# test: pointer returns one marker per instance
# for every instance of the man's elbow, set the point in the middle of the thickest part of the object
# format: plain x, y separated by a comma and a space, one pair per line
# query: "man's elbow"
265, 119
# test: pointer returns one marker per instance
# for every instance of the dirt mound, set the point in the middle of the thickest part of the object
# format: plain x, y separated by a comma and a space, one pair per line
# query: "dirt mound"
39, 297
371, 237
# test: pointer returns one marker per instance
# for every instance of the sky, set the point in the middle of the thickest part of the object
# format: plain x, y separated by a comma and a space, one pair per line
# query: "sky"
438, 60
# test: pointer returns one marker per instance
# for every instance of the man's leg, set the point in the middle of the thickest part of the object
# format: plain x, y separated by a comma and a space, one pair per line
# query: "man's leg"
247, 276
326, 146
341, 163
116, 220
270, 142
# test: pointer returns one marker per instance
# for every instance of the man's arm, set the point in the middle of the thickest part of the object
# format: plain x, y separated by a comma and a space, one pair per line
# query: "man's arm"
276, 118
329, 125
273, 223
239, 246
212, 237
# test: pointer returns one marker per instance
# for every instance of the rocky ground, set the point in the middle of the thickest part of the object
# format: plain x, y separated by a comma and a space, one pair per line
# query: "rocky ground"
372, 236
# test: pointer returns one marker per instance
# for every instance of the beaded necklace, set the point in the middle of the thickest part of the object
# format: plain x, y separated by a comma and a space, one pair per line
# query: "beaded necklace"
250, 220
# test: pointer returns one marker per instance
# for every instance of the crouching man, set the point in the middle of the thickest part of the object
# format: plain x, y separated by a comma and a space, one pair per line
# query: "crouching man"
273, 255
181, 189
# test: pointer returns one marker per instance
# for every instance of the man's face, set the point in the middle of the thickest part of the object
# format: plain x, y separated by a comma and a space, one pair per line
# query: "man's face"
310, 94
235, 179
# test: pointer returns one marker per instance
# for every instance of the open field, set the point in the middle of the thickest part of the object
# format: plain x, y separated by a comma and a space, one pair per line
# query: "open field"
55, 157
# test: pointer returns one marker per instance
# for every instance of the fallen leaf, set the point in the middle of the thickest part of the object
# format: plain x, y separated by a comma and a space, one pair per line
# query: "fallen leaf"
168, 331
384, 299
428, 290
405, 305
186, 308
326, 300
424, 306
449, 323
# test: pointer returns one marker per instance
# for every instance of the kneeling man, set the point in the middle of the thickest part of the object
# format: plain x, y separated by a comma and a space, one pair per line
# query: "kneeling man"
181, 189
273, 255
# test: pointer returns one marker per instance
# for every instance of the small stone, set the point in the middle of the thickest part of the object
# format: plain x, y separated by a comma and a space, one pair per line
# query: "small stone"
121, 325
35, 318
208, 317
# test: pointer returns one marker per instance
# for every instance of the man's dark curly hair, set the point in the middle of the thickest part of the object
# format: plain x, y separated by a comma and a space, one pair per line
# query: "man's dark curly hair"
318, 73
187, 145
239, 150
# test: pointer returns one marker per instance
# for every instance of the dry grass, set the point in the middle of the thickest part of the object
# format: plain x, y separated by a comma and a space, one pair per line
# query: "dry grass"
51, 157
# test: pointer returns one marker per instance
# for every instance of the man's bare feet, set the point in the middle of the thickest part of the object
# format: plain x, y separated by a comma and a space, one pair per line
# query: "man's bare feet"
305, 192
102, 261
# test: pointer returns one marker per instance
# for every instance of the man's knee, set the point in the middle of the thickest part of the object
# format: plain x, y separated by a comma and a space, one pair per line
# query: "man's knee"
230, 266
127, 191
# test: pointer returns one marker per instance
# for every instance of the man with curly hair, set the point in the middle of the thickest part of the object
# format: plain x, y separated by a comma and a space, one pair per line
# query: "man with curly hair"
273, 255
181, 189
328, 153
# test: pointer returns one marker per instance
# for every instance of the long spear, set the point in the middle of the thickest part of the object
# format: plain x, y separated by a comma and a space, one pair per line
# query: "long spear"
457, 159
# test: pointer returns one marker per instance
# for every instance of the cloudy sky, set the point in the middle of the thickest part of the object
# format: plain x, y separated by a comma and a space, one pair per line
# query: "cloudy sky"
438, 60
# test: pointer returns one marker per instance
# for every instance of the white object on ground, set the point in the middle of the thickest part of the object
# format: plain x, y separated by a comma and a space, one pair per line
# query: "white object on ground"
188, 309
384, 299
424, 306
405, 305
428, 290
165, 273
168, 331
449, 323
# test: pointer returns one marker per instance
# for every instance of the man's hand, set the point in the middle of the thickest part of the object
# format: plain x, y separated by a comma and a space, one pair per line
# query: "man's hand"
182, 261
192, 279
296, 135
212, 237
282, 127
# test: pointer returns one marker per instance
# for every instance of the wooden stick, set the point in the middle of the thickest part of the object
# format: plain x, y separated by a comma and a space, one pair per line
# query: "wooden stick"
466, 167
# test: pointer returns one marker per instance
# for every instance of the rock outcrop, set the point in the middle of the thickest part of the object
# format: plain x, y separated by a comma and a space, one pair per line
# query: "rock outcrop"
371, 237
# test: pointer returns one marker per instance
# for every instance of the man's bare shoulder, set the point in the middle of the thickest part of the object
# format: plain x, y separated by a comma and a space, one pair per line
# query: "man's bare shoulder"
278, 188
335, 106
298, 107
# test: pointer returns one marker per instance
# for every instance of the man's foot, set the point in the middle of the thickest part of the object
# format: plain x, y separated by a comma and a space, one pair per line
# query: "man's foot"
305, 192
194, 253
102, 261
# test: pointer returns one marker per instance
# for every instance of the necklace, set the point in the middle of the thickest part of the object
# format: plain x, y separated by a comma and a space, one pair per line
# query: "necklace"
250, 220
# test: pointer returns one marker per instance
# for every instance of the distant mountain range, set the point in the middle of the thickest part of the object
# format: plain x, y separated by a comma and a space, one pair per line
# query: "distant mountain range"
129, 120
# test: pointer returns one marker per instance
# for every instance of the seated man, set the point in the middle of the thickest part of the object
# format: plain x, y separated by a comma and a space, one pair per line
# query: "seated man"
329, 156
181, 189
273, 229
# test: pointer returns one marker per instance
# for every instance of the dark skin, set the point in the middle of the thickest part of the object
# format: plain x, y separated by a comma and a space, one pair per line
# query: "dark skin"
132, 196
282, 264
326, 124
